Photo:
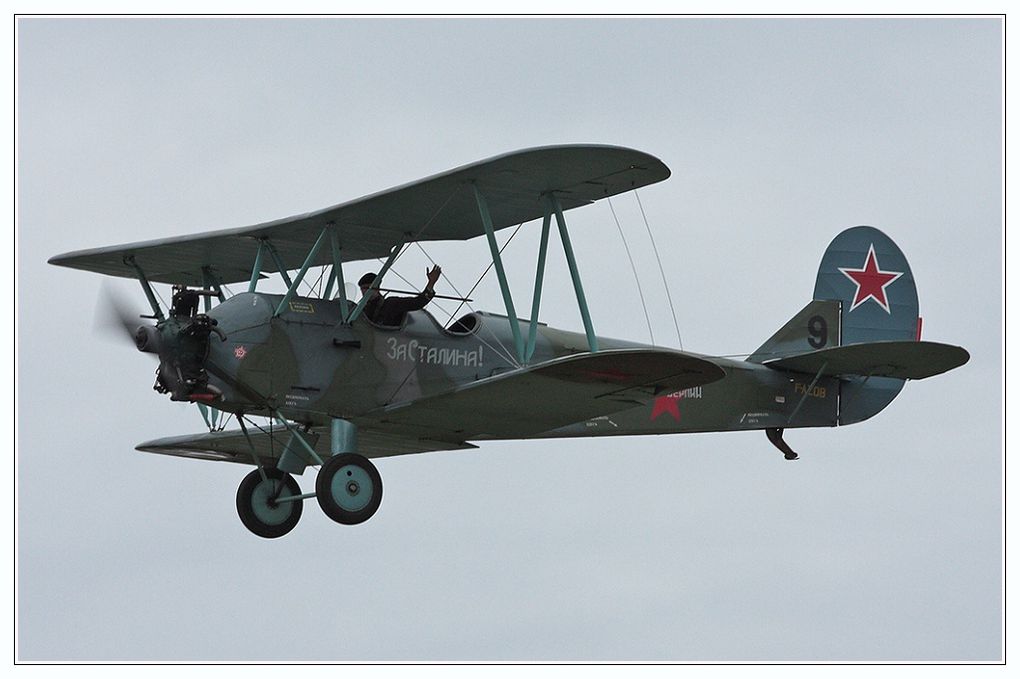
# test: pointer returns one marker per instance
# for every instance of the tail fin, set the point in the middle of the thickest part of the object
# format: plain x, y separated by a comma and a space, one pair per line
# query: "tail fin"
868, 274
816, 326
864, 293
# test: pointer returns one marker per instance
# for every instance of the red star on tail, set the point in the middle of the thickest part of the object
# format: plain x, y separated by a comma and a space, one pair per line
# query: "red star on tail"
871, 281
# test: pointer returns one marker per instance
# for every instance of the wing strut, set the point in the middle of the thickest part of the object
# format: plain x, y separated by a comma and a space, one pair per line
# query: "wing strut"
394, 253
280, 266
157, 312
490, 235
552, 206
256, 270
539, 276
211, 282
337, 275
582, 305
292, 287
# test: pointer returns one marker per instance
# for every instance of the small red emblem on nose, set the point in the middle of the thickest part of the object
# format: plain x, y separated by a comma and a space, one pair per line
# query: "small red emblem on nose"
240, 352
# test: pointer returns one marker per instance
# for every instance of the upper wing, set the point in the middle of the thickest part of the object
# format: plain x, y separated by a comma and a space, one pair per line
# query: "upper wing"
548, 395
441, 207
905, 360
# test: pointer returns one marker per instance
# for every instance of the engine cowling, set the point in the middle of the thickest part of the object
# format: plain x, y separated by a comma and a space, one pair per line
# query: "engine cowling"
183, 347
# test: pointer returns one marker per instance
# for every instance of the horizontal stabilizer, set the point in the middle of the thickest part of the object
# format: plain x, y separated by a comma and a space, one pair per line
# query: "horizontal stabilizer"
904, 360
548, 395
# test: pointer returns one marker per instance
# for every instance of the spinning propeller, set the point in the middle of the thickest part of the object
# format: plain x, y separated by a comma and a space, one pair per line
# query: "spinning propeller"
180, 341
115, 318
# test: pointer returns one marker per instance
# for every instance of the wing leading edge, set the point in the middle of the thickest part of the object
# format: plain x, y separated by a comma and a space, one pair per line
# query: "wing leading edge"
231, 446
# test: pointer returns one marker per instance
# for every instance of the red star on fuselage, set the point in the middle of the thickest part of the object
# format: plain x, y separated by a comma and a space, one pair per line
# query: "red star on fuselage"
670, 403
871, 281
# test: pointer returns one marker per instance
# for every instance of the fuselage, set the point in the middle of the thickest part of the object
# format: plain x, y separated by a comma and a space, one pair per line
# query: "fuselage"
298, 363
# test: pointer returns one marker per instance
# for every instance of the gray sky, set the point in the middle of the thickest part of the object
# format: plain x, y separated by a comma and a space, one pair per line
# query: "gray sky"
881, 543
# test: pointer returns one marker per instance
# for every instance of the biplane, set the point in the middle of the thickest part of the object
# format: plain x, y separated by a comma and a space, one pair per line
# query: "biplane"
313, 382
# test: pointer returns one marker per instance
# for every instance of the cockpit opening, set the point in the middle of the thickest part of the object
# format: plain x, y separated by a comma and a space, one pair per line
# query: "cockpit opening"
465, 325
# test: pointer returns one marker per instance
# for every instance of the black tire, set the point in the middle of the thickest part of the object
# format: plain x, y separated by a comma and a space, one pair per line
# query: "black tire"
258, 513
348, 488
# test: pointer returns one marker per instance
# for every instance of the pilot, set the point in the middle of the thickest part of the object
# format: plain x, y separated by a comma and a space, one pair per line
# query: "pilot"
390, 310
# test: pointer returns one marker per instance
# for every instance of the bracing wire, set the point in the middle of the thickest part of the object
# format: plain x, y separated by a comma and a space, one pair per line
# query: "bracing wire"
506, 354
308, 286
661, 269
436, 213
156, 290
464, 301
315, 289
405, 245
484, 273
633, 268
400, 386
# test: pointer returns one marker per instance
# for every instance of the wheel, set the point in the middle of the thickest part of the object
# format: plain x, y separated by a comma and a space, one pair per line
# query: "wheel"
348, 488
257, 507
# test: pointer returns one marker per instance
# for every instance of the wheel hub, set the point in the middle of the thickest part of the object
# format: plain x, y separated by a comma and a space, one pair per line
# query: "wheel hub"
348, 488
265, 506
352, 488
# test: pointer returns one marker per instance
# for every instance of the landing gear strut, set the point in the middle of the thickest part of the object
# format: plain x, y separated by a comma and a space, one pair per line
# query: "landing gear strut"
348, 487
775, 436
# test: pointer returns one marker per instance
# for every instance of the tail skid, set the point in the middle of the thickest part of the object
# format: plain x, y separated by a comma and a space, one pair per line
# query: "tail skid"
775, 436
